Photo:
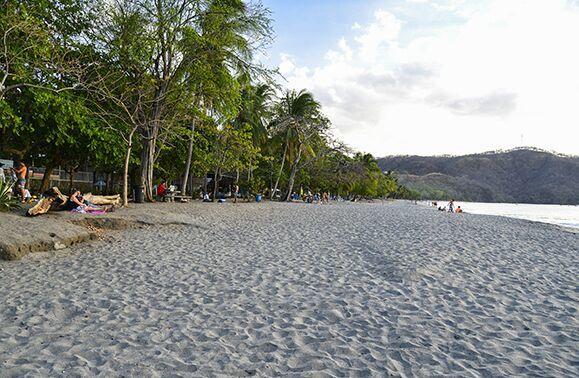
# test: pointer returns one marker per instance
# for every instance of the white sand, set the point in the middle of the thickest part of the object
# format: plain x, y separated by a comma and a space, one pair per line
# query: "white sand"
269, 289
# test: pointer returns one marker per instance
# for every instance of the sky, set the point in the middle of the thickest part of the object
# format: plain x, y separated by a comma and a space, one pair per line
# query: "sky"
432, 77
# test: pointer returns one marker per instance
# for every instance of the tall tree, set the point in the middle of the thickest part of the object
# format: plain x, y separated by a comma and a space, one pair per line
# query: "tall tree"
171, 45
299, 118
232, 150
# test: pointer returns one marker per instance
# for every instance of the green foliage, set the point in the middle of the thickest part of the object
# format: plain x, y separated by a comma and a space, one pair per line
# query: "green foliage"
254, 185
356, 176
157, 82
232, 149
404, 193
8, 118
7, 201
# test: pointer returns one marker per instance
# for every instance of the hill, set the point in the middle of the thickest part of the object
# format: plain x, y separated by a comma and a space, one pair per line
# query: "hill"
525, 175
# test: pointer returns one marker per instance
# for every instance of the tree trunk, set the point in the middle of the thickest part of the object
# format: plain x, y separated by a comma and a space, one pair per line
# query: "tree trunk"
147, 166
46, 177
150, 140
112, 183
70, 178
215, 184
126, 168
108, 183
189, 157
292, 177
272, 194
270, 174
236, 186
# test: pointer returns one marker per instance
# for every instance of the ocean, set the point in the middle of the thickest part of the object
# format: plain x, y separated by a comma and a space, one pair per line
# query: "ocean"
562, 215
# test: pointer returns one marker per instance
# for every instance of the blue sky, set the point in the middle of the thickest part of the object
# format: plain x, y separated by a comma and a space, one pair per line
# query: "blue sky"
306, 29
435, 76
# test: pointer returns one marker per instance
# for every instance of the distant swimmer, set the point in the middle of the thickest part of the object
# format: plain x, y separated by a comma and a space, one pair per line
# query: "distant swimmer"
458, 210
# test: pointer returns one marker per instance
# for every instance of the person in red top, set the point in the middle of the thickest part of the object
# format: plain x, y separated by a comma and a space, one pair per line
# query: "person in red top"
162, 189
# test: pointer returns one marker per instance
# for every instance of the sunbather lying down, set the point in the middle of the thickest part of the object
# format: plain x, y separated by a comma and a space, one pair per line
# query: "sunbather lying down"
77, 203
55, 200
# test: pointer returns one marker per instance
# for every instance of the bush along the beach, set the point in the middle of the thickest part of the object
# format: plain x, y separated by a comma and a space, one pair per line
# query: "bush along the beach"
7, 202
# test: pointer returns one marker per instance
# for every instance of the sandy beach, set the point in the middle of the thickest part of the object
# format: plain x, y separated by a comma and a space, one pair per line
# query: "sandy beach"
295, 289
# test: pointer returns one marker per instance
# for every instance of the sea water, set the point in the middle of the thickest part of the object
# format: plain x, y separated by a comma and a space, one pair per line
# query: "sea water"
562, 215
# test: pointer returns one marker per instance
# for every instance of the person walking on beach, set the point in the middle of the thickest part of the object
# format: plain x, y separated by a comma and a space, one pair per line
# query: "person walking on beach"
21, 172
451, 206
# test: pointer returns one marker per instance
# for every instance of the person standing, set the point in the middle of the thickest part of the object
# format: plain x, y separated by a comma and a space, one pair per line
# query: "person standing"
451, 206
235, 192
21, 173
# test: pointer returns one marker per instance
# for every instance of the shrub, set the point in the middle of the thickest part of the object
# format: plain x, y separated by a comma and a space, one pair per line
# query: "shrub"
7, 202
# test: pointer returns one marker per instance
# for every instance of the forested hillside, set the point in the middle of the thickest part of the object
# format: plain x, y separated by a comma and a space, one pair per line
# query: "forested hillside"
526, 175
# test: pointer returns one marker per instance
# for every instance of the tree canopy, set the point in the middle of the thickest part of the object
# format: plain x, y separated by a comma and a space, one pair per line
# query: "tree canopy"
146, 90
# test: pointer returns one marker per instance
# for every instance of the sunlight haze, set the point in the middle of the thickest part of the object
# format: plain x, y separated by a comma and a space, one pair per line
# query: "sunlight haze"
434, 76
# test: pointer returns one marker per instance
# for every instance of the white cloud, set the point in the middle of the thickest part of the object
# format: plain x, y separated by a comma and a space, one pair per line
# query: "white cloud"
497, 103
385, 29
344, 53
287, 64
509, 69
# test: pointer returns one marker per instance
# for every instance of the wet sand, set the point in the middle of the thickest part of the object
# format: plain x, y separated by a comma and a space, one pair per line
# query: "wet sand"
296, 289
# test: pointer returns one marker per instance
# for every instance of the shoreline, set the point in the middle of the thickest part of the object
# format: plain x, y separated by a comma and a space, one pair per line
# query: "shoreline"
468, 209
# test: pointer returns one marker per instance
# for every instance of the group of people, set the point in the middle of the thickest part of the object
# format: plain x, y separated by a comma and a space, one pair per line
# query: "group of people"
450, 207
310, 197
18, 175
232, 192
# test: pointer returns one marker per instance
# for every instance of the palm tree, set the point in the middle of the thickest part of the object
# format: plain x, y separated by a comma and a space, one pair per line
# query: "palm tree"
254, 113
296, 113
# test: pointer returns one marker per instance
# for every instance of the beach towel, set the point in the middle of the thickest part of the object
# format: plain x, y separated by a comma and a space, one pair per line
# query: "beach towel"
81, 210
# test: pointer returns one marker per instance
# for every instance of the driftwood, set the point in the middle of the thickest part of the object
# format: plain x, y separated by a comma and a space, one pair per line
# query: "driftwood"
53, 199
55, 192
103, 200
41, 207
